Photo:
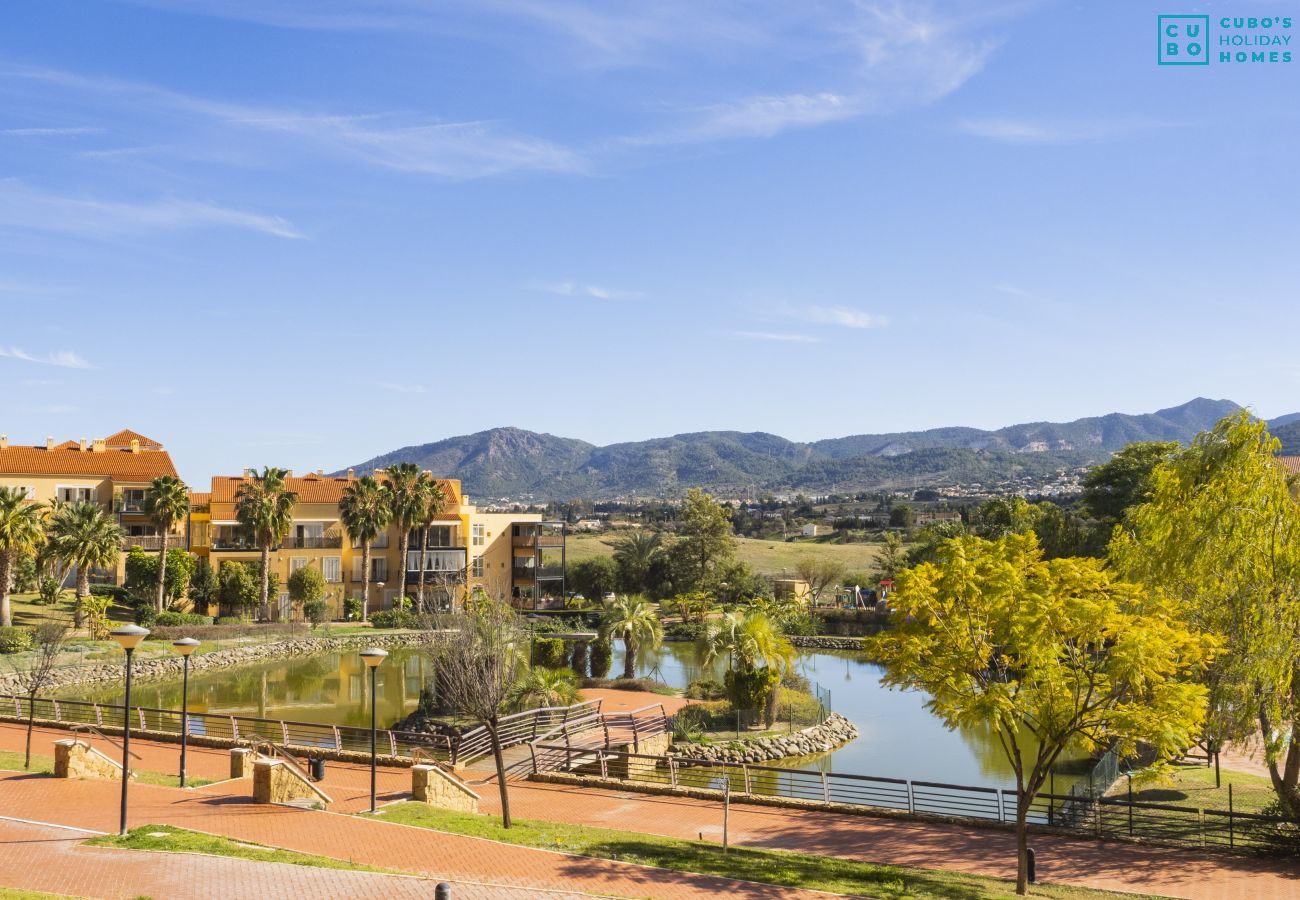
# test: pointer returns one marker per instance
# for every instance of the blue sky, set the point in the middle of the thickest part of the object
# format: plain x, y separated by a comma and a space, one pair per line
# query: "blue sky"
303, 232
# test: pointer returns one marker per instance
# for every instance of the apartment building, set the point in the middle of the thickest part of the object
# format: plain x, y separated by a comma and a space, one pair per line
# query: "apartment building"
509, 555
114, 471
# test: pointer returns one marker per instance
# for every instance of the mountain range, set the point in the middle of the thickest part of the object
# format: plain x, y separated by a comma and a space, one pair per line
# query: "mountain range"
513, 463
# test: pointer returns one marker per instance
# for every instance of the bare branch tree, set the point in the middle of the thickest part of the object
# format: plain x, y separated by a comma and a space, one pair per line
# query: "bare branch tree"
480, 656
49, 639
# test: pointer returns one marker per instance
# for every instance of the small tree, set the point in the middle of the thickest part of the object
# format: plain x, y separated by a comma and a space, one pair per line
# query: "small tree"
237, 588
892, 557
48, 638
593, 578
1001, 638
479, 661
821, 572
307, 586
204, 587
167, 501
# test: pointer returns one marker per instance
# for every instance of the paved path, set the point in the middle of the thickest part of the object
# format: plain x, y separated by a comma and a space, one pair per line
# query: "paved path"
226, 809
223, 808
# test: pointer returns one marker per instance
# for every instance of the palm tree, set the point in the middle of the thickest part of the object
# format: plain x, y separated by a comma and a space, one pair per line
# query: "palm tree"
750, 639
406, 500
634, 622
541, 686
166, 502
264, 505
20, 534
83, 535
635, 553
365, 511
435, 501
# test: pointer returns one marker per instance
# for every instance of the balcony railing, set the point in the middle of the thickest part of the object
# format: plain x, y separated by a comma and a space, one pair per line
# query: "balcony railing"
532, 573
233, 543
437, 561
537, 540
150, 541
312, 542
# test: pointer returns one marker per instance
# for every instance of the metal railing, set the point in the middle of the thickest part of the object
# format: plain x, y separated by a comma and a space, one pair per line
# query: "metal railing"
312, 542
238, 729
519, 728
1102, 817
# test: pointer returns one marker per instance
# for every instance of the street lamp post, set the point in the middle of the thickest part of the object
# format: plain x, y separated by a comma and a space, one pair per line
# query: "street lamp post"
372, 658
380, 586
129, 636
185, 646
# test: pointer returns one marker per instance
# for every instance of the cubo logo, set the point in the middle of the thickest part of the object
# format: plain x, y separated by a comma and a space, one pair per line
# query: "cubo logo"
1184, 41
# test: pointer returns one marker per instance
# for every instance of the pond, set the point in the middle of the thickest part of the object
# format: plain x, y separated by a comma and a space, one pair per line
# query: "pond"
898, 736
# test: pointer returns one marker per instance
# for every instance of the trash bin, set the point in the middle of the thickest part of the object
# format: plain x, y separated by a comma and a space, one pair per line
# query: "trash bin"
317, 769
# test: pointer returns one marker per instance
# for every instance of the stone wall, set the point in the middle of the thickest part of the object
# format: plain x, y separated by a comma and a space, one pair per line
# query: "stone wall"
170, 666
430, 784
275, 781
76, 759
832, 733
826, 642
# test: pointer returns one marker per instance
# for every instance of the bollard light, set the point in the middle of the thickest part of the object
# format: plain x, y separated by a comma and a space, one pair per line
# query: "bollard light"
372, 657
129, 637
185, 646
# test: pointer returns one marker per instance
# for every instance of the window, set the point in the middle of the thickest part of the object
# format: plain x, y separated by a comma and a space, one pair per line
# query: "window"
286, 607
358, 568
476, 535
379, 568
29, 492
476, 567
76, 494
332, 568
440, 536
296, 563
379, 543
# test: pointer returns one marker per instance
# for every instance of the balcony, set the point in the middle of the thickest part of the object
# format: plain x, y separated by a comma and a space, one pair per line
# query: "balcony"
128, 506
437, 562
537, 540
233, 543
150, 541
535, 573
312, 542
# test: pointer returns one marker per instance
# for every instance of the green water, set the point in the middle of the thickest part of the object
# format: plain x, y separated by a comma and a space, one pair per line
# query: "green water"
898, 736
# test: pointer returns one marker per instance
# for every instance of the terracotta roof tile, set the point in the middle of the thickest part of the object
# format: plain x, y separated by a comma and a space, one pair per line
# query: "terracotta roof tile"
124, 438
310, 488
1291, 464
117, 463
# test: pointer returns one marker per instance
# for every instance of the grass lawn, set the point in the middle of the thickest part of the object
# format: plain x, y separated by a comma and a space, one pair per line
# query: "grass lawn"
178, 840
1193, 785
14, 894
766, 557
12, 760
778, 867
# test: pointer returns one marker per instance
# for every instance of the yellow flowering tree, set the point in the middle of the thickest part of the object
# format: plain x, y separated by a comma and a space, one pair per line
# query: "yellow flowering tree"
1000, 637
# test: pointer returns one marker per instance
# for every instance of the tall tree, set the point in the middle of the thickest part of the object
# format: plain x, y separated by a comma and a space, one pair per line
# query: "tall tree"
705, 535
479, 662
433, 500
891, 559
1221, 531
83, 535
166, 502
49, 637
405, 498
635, 552
20, 535
634, 622
264, 505
365, 511
1123, 481
1002, 639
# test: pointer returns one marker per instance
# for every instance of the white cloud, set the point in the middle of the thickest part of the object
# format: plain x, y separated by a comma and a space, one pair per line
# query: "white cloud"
48, 132
580, 289
842, 316
24, 207
64, 358
401, 388
772, 336
1010, 130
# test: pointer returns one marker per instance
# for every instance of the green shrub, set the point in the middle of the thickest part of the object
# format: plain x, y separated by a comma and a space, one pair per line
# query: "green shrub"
317, 612
706, 689
145, 614
119, 594
549, 652
15, 639
233, 620
394, 618
602, 657
352, 609
306, 585
169, 619
50, 590
684, 631
750, 690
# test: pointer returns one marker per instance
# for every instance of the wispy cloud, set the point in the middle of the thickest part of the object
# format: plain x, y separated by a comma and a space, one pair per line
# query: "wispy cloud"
842, 316
786, 337
63, 358
397, 388
1011, 130
581, 289
48, 132
28, 208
